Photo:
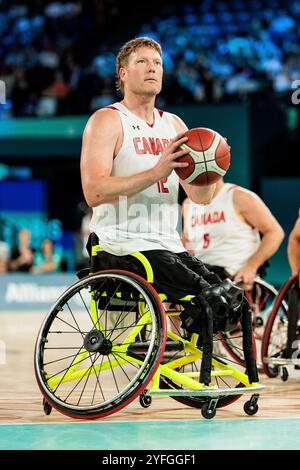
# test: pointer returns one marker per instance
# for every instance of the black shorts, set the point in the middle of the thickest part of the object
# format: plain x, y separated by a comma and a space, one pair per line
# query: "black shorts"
219, 270
175, 274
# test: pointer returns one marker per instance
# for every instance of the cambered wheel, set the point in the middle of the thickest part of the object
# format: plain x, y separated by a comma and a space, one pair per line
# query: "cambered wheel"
90, 358
276, 330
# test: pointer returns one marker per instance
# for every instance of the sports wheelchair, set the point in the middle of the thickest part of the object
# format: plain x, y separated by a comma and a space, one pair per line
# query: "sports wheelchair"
281, 340
108, 340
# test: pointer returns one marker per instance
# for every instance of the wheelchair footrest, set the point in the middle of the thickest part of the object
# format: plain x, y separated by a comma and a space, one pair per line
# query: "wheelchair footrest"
281, 361
209, 392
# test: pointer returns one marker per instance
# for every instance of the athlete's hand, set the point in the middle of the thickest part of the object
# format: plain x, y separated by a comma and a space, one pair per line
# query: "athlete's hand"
245, 275
167, 161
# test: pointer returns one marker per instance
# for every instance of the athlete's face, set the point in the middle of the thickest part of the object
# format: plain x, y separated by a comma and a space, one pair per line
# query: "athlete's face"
143, 73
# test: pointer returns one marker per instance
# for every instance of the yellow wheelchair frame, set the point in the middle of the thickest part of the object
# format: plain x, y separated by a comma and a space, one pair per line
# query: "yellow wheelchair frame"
185, 385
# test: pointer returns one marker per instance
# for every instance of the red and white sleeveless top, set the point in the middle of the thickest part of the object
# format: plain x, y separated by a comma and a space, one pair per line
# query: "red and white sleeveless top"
148, 220
219, 235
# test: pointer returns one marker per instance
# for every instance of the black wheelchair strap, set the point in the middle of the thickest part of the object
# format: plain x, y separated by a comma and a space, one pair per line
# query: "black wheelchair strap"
205, 341
246, 321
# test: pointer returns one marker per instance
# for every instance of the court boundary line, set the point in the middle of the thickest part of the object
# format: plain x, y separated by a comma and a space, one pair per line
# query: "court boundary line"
153, 421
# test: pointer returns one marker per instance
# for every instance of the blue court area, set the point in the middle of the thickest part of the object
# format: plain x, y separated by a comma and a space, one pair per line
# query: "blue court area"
229, 434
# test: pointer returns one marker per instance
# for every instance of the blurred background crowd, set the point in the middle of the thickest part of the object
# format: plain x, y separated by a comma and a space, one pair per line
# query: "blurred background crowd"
57, 61
58, 58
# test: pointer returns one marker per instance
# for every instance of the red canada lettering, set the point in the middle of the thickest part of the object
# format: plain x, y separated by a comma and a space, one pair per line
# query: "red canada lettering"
147, 148
136, 141
149, 145
159, 147
210, 218
152, 144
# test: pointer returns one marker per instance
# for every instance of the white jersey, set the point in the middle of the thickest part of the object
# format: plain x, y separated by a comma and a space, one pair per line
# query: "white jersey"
219, 236
148, 220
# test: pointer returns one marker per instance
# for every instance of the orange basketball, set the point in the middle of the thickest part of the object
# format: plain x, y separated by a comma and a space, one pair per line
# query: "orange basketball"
208, 157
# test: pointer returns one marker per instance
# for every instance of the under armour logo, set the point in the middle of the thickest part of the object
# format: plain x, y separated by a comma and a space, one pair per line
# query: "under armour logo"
136, 127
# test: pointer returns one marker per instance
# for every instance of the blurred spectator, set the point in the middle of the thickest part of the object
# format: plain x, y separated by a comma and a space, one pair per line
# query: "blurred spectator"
56, 57
47, 259
4, 257
22, 256
85, 230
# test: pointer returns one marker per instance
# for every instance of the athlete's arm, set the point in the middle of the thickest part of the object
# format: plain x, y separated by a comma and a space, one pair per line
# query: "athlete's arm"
256, 214
102, 139
199, 195
294, 248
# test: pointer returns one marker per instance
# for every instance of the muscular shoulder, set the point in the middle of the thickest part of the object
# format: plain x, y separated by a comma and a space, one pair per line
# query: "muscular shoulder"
296, 230
178, 123
105, 121
243, 197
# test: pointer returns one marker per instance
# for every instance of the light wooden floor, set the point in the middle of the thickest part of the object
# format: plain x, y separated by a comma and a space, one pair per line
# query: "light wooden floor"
20, 399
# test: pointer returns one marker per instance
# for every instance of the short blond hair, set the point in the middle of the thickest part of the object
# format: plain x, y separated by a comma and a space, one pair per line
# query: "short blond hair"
127, 49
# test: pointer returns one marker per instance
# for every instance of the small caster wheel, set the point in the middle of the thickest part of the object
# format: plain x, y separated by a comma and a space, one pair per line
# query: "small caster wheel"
208, 411
250, 409
259, 322
47, 407
284, 374
145, 400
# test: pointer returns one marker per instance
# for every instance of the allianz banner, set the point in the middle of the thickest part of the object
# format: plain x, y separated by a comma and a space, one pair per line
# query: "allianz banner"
19, 292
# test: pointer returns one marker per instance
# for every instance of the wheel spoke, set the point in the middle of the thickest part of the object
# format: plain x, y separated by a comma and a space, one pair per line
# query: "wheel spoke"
113, 374
115, 356
77, 330
97, 382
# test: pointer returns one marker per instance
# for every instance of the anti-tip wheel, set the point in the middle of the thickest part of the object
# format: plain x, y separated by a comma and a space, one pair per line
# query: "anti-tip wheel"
46, 407
145, 400
207, 411
250, 409
284, 374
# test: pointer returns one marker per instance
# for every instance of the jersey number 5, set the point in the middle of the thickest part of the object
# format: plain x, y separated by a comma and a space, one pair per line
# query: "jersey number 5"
206, 241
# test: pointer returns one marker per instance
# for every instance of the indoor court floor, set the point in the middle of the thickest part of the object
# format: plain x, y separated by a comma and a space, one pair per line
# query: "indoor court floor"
167, 424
